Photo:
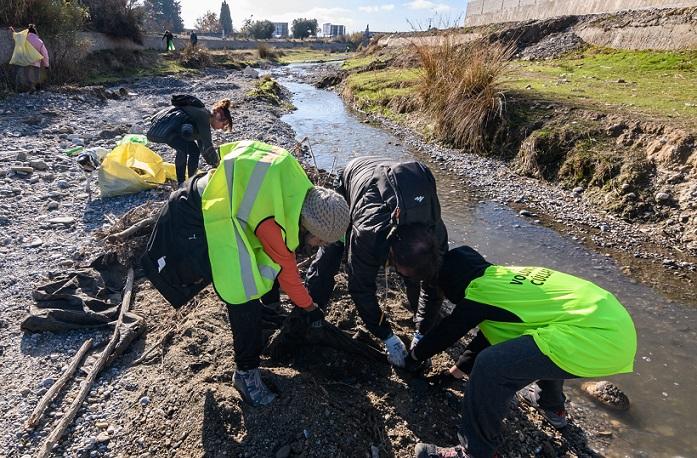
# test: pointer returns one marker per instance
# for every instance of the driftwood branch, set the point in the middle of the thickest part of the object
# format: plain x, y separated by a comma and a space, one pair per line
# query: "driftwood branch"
156, 345
86, 384
53, 391
142, 224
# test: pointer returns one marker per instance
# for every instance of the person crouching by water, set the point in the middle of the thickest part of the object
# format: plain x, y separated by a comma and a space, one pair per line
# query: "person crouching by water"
239, 227
535, 325
186, 127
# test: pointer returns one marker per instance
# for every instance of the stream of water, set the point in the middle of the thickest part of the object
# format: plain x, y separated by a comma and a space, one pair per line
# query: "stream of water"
662, 387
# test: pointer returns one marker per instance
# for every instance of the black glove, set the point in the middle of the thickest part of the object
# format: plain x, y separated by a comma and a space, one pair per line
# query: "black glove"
314, 317
412, 365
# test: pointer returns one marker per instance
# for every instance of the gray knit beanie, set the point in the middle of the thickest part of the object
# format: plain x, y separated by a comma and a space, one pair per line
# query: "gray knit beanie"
325, 214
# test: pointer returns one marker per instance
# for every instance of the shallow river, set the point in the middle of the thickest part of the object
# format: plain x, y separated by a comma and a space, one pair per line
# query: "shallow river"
661, 421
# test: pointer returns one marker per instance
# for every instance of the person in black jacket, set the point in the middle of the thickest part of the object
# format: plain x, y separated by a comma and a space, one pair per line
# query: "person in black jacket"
186, 127
395, 218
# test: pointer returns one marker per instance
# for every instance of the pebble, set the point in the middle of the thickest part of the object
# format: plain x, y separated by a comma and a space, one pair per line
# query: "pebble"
283, 452
525, 213
62, 220
52, 205
145, 400
38, 165
35, 242
578, 190
662, 197
103, 437
62, 184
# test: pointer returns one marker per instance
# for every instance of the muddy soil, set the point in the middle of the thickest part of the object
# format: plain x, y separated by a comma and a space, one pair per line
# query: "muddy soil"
181, 401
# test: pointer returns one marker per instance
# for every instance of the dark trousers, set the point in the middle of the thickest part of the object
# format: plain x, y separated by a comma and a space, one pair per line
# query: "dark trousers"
246, 324
424, 301
498, 372
187, 157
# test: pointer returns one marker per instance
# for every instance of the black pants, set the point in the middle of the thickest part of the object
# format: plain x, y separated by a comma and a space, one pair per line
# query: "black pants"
187, 158
498, 372
424, 301
246, 325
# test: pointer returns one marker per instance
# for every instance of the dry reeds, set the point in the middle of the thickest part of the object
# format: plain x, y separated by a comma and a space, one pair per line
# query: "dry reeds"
195, 57
266, 52
459, 86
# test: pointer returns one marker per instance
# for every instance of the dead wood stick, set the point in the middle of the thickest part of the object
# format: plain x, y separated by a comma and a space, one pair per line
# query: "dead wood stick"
148, 352
56, 387
143, 223
86, 384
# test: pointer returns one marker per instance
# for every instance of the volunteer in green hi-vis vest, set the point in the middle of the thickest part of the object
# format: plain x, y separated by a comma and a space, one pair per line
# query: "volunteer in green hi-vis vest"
535, 325
239, 227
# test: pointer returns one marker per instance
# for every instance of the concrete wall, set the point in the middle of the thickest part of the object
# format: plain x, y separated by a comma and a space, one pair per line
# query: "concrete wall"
480, 12
98, 42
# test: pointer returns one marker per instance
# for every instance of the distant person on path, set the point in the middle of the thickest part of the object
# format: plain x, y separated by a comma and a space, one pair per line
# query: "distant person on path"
170, 40
186, 127
537, 328
194, 39
33, 75
239, 227
395, 218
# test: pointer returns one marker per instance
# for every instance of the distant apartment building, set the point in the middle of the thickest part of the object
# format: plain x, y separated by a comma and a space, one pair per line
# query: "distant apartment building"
280, 29
333, 30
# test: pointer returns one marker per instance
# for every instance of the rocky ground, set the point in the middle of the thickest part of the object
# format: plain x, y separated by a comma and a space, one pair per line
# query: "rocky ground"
181, 401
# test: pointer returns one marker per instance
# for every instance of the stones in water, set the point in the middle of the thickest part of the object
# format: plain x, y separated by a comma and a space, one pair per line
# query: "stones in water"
607, 394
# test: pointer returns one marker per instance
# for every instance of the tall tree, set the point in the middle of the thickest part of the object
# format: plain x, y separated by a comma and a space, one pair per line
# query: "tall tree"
303, 28
259, 29
164, 14
209, 22
225, 18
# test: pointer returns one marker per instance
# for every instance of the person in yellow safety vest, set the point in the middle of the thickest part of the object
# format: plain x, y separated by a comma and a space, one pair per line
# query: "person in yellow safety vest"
239, 227
535, 325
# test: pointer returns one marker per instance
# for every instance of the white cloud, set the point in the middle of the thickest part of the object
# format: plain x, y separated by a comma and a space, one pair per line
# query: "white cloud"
376, 8
427, 5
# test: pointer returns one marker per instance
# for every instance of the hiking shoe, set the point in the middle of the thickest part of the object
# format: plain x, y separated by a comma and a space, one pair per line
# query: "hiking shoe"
531, 395
252, 388
431, 451
396, 350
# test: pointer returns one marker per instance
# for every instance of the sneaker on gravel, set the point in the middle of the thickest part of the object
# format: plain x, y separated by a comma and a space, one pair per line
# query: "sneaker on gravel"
531, 395
431, 451
252, 388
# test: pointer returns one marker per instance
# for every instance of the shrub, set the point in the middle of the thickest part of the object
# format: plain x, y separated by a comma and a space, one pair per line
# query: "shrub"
459, 86
266, 52
116, 18
194, 57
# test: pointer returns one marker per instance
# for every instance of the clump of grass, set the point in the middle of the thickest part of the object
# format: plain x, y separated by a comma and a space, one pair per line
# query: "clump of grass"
267, 89
266, 52
459, 86
194, 57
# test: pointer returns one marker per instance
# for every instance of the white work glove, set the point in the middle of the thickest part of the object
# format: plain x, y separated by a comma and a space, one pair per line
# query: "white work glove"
414, 340
396, 350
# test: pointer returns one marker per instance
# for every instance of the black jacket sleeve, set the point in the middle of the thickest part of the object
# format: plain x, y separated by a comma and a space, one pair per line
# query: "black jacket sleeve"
466, 315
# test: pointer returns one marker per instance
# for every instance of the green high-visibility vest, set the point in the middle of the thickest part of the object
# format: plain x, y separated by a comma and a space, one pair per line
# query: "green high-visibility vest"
578, 325
254, 181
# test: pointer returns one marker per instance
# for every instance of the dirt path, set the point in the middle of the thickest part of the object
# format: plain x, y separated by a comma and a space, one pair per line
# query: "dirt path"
181, 402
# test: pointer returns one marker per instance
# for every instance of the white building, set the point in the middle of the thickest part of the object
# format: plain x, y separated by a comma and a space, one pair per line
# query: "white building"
333, 30
280, 29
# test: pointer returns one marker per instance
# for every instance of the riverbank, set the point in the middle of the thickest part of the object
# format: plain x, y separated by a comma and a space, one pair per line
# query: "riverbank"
182, 401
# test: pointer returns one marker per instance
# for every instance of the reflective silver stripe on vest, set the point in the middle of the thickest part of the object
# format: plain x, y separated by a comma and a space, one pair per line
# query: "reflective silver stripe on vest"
250, 286
245, 259
252, 191
268, 272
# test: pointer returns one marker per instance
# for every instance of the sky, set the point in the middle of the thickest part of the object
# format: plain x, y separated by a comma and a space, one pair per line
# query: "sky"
382, 15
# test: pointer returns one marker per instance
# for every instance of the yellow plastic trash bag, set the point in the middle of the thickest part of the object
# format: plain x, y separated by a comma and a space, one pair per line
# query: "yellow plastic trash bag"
132, 167
24, 54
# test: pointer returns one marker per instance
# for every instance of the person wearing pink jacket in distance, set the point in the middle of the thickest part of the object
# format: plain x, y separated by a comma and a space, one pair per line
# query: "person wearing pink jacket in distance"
32, 75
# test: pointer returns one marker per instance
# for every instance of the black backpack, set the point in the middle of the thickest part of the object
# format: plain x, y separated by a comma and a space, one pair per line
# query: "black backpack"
184, 100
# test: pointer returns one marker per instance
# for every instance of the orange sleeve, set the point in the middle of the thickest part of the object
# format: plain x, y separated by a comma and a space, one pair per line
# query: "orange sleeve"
271, 238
